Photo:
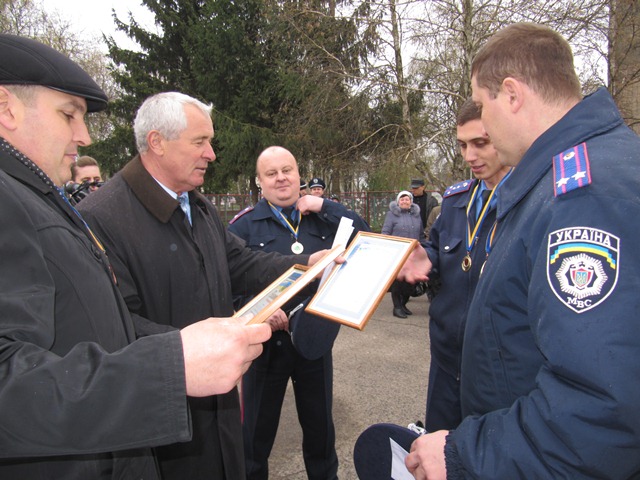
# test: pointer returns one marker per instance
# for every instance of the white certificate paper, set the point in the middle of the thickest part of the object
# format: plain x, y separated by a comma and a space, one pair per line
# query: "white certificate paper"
354, 289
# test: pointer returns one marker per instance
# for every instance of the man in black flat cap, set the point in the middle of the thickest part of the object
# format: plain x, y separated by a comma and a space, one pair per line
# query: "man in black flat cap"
81, 397
423, 199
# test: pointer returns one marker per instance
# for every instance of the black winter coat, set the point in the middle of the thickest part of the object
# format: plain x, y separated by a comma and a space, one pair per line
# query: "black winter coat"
175, 275
79, 397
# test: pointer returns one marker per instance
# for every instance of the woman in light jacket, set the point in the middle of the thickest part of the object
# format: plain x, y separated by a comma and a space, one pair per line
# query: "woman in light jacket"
403, 220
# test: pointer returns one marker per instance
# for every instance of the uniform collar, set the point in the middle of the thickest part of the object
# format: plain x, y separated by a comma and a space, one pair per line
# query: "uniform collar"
461, 201
594, 115
263, 210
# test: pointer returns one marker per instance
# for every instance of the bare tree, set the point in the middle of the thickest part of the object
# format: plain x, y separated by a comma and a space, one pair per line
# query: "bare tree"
448, 34
624, 59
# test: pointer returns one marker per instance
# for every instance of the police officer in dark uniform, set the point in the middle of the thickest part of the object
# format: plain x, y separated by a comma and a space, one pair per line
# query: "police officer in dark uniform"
287, 223
549, 366
457, 250
317, 187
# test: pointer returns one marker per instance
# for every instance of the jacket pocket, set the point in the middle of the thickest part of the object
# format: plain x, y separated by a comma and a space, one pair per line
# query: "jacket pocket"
261, 242
450, 244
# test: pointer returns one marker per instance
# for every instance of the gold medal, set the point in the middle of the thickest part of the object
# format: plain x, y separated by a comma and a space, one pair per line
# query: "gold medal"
297, 248
466, 263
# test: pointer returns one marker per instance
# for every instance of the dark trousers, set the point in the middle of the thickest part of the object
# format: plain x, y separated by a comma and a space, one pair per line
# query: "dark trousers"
443, 400
400, 293
263, 389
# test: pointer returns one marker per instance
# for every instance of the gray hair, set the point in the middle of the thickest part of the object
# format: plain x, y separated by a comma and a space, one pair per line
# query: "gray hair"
164, 112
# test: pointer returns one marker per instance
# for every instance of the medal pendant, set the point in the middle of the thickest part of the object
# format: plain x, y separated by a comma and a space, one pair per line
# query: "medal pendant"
297, 248
466, 263
482, 268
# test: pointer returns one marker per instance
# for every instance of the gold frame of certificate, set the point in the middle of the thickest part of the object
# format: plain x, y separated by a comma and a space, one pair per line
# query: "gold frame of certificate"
354, 289
284, 288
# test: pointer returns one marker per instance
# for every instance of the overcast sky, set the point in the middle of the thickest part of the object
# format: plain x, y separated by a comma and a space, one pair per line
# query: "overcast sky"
93, 17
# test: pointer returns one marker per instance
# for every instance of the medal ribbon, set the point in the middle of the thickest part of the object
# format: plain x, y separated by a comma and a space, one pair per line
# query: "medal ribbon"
285, 221
471, 237
492, 234
86, 226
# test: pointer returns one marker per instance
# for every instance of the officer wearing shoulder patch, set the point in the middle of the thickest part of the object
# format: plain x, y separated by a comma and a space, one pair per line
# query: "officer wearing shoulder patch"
458, 245
240, 214
287, 223
457, 188
552, 341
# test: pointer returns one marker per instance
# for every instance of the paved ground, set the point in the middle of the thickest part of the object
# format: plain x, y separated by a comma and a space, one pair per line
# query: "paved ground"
380, 375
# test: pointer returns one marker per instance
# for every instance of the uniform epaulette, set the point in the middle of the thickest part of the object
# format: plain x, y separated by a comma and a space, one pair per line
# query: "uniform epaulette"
571, 170
459, 187
239, 214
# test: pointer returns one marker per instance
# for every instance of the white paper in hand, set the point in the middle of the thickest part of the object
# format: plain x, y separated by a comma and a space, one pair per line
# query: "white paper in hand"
345, 229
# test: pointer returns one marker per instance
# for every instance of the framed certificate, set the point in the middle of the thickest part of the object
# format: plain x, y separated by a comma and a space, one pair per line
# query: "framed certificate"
284, 288
353, 290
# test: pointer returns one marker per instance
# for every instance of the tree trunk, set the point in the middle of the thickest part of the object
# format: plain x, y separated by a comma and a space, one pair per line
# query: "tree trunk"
624, 59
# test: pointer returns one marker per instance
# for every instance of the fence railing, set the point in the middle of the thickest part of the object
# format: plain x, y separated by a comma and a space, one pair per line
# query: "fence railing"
372, 206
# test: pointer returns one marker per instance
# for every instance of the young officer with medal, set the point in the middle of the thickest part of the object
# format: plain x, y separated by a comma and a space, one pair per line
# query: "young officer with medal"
283, 221
460, 241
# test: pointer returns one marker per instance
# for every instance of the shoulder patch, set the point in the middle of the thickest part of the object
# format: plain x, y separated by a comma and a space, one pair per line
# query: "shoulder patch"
571, 170
582, 266
459, 187
240, 214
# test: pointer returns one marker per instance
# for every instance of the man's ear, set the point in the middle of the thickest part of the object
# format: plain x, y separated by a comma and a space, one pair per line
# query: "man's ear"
156, 142
514, 90
9, 111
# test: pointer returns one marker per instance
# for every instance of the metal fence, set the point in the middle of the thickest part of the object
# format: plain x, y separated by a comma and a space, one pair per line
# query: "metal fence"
372, 206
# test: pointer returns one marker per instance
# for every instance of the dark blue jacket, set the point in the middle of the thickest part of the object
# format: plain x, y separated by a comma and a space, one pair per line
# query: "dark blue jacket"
551, 358
446, 250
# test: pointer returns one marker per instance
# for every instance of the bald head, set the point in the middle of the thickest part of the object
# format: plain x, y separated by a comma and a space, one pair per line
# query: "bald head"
278, 175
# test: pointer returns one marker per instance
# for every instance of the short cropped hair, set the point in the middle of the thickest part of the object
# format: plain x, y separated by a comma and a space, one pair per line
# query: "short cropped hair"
164, 112
26, 93
468, 111
84, 161
533, 54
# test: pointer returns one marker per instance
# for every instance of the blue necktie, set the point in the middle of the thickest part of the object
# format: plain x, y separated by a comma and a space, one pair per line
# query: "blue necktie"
484, 196
183, 198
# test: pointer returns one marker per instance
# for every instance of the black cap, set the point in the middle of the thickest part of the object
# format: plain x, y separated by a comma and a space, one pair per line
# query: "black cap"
417, 182
24, 61
303, 184
317, 182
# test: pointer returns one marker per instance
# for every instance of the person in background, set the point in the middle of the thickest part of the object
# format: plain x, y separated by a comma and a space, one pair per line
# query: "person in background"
457, 250
82, 396
550, 364
176, 262
403, 220
86, 170
423, 199
303, 188
433, 216
317, 187
85, 178
284, 222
